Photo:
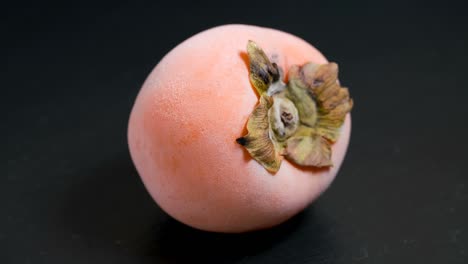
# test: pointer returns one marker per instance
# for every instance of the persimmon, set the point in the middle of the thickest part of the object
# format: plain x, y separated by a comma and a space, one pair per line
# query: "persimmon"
239, 128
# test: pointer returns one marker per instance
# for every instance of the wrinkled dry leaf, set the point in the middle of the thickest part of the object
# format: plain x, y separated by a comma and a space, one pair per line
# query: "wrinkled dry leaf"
309, 151
257, 141
262, 72
332, 100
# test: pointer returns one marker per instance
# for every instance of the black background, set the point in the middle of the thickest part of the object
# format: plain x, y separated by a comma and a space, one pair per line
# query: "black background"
70, 193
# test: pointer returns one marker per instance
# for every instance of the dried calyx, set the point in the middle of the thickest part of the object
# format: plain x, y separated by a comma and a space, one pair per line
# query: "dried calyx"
298, 120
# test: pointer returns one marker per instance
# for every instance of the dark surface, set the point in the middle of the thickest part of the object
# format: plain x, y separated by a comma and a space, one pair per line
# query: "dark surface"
69, 192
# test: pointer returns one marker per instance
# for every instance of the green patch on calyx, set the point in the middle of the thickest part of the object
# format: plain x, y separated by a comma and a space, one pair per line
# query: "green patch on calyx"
299, 120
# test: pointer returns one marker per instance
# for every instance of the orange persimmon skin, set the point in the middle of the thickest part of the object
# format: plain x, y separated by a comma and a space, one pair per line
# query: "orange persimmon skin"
184, 124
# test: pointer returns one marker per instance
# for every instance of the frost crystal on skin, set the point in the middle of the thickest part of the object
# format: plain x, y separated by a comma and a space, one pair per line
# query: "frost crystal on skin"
299, 120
